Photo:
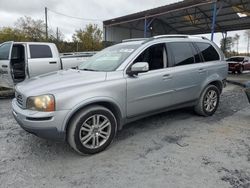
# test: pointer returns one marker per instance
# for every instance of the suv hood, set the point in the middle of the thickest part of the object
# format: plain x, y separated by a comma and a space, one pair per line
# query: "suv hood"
53, 82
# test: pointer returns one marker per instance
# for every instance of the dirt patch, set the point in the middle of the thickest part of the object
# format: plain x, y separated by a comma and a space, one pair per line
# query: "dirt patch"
236, 178
156, 146
175, 140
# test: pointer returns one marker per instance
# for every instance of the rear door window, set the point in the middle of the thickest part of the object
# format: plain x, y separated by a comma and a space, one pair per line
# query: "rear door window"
182, 53
40, 51
208, 52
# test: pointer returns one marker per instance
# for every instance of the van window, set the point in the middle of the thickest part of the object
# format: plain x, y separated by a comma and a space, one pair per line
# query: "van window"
208, 52
40, 51
5, 51
155, 56
182, 53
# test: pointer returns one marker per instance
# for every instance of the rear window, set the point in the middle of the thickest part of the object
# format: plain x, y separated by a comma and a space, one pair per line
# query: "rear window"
208, 52
40, 51
182, 53
5, 51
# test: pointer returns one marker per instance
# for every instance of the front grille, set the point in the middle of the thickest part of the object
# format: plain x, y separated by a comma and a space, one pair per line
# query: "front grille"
20, 99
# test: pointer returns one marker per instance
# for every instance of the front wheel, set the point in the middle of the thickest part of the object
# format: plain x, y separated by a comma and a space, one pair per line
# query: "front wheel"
92, 130
208, 101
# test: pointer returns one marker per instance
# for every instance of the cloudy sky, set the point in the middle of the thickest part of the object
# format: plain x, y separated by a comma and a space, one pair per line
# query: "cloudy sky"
97, 10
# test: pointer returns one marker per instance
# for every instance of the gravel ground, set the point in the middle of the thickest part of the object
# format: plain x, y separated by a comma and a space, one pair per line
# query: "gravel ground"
173, 149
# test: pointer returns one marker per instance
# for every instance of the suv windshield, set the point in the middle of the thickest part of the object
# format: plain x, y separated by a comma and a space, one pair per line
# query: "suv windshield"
109, 59
236, 59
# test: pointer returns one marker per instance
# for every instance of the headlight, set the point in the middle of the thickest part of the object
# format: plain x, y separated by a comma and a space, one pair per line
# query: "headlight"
44, 103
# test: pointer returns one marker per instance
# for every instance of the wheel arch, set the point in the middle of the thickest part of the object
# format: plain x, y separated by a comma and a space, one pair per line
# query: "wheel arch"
109, 104
218, 84
215, 80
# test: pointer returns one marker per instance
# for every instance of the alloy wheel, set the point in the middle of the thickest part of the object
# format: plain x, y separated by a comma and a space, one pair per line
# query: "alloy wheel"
210, 101
95, 131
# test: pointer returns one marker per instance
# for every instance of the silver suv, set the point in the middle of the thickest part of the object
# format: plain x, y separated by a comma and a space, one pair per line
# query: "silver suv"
120, 84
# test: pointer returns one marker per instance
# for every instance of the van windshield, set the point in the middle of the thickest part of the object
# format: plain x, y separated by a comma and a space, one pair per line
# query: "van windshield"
5, 51
109, 59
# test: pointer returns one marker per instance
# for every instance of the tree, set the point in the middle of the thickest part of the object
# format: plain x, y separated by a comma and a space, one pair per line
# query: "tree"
33, 30
226, 44
236, 39
247, 35
10, 34
89, 38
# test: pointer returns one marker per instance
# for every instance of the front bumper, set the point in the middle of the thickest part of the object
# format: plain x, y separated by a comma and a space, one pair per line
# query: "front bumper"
47, 125
234, 67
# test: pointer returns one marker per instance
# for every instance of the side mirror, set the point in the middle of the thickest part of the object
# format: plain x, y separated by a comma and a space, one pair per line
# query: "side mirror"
75, 67
245, 61
138, 67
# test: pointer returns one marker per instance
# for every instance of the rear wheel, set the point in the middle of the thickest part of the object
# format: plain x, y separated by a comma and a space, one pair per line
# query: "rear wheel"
240, 71
92, 130
208, 101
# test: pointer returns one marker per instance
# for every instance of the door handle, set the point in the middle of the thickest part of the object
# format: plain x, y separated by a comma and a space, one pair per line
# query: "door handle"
5, 66
201, 70
167, 77
52, 62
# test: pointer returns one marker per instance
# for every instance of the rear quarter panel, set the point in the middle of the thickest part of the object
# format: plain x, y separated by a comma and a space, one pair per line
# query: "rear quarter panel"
216, 71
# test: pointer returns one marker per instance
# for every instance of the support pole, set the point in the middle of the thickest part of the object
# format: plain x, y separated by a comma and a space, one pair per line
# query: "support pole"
57, 34
46, 23
224, 41
149, 24
105, 32
214, 20
145, 28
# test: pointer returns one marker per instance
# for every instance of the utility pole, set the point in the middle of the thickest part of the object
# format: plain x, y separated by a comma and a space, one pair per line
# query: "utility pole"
46, 23
57, 34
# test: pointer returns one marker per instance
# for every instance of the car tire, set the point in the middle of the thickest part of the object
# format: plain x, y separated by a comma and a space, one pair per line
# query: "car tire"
208, 101
240, 71
92, 130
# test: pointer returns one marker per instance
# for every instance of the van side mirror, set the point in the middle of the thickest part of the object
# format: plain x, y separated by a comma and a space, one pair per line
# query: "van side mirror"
138, 67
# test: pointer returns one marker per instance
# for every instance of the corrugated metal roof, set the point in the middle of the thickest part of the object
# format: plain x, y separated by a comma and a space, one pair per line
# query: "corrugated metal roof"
189, 17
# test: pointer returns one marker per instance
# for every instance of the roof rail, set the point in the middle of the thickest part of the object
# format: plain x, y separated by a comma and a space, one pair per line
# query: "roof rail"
178, 36
170, 36
134, 39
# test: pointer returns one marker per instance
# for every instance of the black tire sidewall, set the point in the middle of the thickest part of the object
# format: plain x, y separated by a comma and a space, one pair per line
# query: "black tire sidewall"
77, 141
241, 70
209, 88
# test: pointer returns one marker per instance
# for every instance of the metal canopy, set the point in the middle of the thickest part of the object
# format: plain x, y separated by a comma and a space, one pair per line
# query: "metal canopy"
185, 17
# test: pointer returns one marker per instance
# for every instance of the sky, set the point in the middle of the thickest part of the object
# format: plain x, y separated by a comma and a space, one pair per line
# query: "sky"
94, 10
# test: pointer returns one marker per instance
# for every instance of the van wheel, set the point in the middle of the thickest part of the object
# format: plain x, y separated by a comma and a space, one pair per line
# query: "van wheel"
92, 130
208, 101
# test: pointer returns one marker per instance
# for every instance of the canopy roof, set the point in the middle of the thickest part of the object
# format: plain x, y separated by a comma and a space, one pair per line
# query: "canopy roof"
188, 17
